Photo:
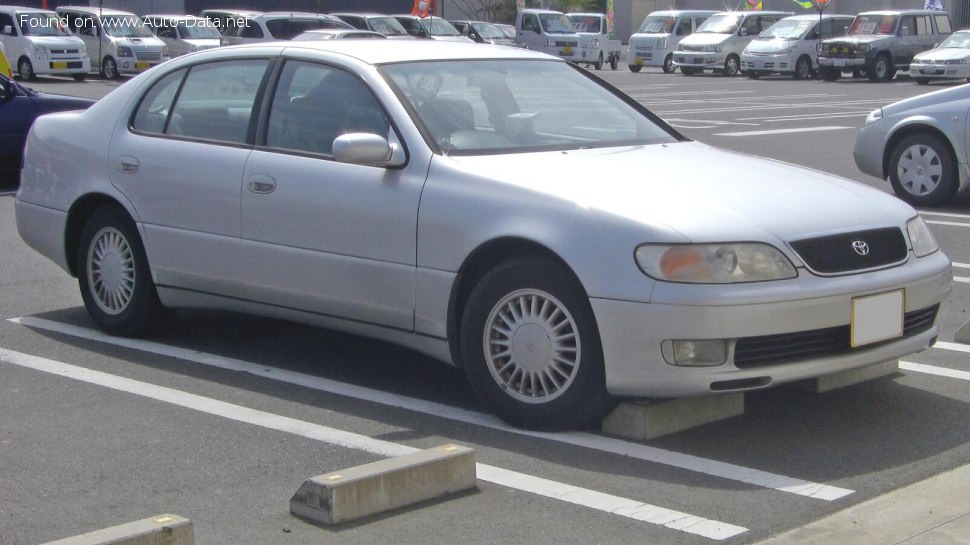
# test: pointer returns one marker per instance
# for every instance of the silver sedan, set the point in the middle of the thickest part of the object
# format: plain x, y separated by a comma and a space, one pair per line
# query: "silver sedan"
496, 208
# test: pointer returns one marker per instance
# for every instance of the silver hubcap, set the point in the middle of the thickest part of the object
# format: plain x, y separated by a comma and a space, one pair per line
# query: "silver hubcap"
111, 271
919, 170
532, 346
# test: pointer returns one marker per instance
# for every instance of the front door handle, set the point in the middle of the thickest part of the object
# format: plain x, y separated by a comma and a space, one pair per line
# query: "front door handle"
128, 164
261, 183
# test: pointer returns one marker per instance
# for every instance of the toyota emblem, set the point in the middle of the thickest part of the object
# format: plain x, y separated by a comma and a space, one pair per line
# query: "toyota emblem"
860, 247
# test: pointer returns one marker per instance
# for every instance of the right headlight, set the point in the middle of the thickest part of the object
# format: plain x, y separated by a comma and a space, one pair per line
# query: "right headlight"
874, 116
921, 238
714, 263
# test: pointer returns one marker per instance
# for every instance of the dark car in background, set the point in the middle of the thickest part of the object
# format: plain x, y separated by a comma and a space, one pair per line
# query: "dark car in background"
19, 107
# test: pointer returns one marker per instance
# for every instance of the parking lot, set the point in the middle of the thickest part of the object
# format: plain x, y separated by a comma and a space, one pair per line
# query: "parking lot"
221, 417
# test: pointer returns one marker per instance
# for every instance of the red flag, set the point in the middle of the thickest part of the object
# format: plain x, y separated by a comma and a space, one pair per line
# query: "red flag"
422, 8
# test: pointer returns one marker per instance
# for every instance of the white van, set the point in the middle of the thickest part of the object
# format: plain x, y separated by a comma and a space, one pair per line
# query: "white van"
117, 41
547, 31
656, 40
228, 21
37, 44
718, 43
183, 33
791, 46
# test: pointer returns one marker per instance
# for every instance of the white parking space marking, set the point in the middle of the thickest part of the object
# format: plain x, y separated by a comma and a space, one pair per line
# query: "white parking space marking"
955, 347
962, 265
961, 279
950, 223
944, 214
933, 370
599, 501
604, 444
782, 131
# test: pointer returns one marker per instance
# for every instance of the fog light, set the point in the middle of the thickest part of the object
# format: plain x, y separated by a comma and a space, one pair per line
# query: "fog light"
695, 353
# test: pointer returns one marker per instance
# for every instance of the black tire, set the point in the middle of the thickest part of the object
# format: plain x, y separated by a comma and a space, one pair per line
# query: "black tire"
534, 382
668, 65
732, 65
860, 73
803, 68
114, 277
921, 81
614, 61
752, 75
79, 77
109, 68
922, 170
25, 70
599, 62
688, 71
634, 68
828, 73
880, 69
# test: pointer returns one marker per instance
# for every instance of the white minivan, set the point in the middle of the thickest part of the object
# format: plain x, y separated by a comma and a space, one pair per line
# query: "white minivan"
718, 43
656, 40
183, 33
37, 44
791, 46
117, 41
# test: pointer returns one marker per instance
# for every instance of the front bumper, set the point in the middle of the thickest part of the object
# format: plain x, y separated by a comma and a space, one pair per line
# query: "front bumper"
869, 150
699, 59
65, 66
646, 56
842, 64
939, 71
632, 333
768, 64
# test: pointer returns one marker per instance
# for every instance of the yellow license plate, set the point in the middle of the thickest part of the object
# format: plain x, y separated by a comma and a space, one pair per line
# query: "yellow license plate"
142, 65
567, 50
638, 61
877, 317
59, 65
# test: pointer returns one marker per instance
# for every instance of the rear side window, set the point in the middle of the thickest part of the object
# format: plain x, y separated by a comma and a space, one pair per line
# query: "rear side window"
943, 24
214, 102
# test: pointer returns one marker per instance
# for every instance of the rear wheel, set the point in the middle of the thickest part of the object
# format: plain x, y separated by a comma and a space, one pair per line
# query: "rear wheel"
753, 75
113, 275
25, 70
614, 61
668, 66
803, 68
688, 71
634, 67
531, 348
922, 170
79, 77
731, 65
599, 62
922, 81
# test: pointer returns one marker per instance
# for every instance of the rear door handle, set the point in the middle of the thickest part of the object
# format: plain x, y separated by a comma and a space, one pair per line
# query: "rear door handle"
128, 164
261, 183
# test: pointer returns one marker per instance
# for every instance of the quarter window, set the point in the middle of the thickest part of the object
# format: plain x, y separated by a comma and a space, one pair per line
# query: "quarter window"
943, 24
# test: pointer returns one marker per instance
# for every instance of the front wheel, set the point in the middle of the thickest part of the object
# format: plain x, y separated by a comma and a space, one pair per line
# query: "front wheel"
668, 66
732, 65
113, 275
614, 61
829, 74
634, 68
921, 81
922, 170
531, 348
599, 62
79, 77
109, 68
803, 68
25, 70
688, 71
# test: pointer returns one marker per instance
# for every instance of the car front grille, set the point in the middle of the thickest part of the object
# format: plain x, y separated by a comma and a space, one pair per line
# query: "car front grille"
64, 51
754, 352
851, 252
684, 47
842, 51
567, 44
148, 55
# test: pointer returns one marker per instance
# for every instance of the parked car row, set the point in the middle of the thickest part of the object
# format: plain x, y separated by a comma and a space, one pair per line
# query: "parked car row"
877, 44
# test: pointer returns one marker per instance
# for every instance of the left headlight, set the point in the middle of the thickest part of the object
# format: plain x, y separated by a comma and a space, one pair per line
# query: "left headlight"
714, 263
862, 48
921, 238
955, 61
124, 51
874, 116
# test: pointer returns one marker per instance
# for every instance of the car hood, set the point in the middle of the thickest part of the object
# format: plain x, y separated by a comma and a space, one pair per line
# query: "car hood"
703, 193
771, 45
451, 38
943, 54
859, 39
57, 41
705, 38
949, 96
203, 43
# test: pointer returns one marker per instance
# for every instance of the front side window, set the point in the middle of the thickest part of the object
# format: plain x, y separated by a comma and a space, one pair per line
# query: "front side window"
215, 102
251, 29
480, 107
7, 25
439, 27
387, 26
530, 22
39, 24
314, 104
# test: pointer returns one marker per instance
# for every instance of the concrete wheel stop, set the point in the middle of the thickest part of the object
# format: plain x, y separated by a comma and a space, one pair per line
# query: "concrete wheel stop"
361, 491
157, 530
963, 334
643, 420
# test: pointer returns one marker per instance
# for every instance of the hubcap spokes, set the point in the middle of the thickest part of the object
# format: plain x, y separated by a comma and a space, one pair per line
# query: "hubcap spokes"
920, 170
532, 346
111, 271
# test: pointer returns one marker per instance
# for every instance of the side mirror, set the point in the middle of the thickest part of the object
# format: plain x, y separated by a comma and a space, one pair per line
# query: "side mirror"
361, 148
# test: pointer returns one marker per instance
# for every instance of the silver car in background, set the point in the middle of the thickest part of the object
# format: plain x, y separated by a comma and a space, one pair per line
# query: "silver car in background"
920, 145
435, 197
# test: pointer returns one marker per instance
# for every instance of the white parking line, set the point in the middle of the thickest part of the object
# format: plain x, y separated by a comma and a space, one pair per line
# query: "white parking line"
954, 347
962, 265
951, 223
783, 131
944, 214
604, 444
933, 370
961, 279
592, 499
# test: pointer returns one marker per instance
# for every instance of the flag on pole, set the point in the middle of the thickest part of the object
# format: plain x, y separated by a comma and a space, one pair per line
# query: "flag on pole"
609, 16
754, 5
807, 4
422, 8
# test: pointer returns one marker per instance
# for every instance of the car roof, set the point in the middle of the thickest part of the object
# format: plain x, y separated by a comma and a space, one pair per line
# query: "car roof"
679, 12
24, 9
231, 11
172, 17
376, 52
294, 14
814, 16
902, 12
95, 10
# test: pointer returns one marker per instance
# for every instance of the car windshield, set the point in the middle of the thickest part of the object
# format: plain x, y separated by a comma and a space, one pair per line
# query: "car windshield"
721, 23
788, 30
488, 30
873, 24
959, 40
286, 29
556, 23
197, 29
40, 24
387, 26
657, 24
585, 23
437, 26
125, 27
502, 106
